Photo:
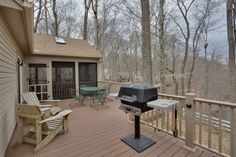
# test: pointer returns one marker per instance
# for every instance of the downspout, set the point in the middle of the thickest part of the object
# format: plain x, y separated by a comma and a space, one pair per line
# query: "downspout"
19, 78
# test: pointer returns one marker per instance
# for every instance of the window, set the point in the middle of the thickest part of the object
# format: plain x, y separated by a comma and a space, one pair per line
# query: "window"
37, 74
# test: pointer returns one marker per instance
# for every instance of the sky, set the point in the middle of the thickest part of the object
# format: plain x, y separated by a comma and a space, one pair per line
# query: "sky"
218, 38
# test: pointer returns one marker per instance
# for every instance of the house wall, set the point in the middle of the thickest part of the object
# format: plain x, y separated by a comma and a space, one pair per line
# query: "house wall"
48, 60
9, 53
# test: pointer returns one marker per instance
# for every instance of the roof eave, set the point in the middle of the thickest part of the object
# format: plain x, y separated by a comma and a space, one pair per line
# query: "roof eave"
18, 16
66, 56
11, 4
28, 19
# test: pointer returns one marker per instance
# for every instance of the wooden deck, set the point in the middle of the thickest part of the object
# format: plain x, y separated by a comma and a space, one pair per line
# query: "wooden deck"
95, 133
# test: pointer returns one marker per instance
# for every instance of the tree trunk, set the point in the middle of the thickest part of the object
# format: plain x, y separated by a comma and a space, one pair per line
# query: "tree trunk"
46, 16
55, 24
163, 60
95, 11
206, 71
184, 62
85, 33
37, 20
86, 10
174, 68
231, 43
146, 43
194, 47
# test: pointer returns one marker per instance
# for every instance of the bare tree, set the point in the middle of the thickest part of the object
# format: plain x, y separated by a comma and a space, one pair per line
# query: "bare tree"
38, 17
46, 16
87, 4
96, 23
163, 58
146, 43
231, 45
184, 10
55, 16
202, 20
172, 70
207, 25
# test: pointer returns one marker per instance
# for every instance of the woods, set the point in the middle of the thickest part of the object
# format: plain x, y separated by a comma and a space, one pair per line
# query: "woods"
172, 43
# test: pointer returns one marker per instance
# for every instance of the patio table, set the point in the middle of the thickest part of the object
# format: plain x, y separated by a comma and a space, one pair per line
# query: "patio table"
90, 92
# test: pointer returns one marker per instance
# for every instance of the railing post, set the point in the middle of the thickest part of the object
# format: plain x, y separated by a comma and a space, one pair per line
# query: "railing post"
190, 121
233, 133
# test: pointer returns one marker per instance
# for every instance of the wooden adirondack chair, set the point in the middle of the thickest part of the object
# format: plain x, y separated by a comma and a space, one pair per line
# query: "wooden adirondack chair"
44, 130
32, 99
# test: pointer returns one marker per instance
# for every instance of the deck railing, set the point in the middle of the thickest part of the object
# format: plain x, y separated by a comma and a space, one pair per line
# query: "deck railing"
218, 118
206, 123
62, 90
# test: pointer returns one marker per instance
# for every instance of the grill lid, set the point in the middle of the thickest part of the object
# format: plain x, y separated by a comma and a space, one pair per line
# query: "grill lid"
140, 93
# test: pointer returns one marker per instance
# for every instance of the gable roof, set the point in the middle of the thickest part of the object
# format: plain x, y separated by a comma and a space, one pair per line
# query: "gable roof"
46, 45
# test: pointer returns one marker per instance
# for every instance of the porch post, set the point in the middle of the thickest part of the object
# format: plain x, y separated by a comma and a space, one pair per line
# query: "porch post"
77, 76
190, 121
99, 68
49, 79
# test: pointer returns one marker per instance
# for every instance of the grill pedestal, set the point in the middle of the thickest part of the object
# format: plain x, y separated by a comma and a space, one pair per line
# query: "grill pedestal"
137, 141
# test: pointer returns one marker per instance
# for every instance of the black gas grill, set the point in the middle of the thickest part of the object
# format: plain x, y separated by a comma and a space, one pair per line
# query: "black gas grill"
134, 99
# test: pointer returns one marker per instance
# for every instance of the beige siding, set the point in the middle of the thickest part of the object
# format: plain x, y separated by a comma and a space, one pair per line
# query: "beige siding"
8, 86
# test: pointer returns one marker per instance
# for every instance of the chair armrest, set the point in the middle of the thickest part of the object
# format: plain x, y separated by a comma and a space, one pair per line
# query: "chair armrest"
44, 109
29, 116
42, 106
59, 115
50, 101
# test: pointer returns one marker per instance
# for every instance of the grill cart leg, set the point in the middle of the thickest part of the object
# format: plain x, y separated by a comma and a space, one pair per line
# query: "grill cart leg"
174, 120
137, 127
137, 141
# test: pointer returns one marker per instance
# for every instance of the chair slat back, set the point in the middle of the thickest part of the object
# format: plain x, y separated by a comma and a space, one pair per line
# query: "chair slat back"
31, 98
29, 109
32, 110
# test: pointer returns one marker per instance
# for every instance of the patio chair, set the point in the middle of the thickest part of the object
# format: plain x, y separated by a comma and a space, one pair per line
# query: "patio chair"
101, 96
44, 130
108, 87
79, 97
32, 99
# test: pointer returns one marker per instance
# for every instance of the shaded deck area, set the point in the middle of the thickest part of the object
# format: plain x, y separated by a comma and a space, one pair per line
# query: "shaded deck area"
95, 133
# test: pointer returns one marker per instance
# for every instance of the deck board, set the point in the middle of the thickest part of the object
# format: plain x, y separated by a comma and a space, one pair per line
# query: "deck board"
197, 153
95, 133
172, 150
182, 152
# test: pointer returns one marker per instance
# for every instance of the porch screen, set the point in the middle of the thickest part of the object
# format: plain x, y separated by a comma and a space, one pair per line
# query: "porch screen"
87, 74
63, 79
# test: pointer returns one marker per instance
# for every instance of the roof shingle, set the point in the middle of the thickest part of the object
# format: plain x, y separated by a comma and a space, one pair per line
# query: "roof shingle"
46, 45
